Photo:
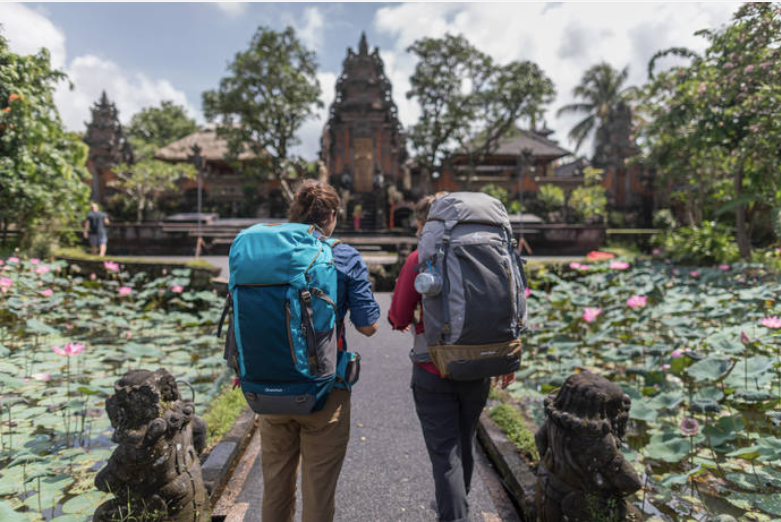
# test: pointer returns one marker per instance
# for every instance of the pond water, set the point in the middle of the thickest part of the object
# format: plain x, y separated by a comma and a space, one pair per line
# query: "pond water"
65, 338
698, 350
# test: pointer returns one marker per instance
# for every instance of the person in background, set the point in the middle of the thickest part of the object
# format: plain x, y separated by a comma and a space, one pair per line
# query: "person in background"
448, 410
318, 440
95, 230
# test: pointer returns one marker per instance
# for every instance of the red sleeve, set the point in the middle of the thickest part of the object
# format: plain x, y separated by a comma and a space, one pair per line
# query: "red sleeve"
405, 298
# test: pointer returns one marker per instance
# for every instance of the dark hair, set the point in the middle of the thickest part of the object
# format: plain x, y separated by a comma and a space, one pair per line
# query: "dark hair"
313, 203
422, 207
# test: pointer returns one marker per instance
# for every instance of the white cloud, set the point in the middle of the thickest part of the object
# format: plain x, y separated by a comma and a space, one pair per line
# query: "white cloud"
311, 32
28, 31
232, 9
312, 130
564, 41
130, 91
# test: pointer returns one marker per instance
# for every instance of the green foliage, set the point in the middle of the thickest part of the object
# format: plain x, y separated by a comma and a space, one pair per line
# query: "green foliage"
664, 219
467, 100
502, 195
601, 90
160, 126
144, 182
552, 197
270, 90
43, 187
707, 243
222, 412
711, 128
590, 200
513, 425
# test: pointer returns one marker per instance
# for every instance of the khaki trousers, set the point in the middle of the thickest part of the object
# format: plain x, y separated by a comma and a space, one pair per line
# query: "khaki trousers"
319, 441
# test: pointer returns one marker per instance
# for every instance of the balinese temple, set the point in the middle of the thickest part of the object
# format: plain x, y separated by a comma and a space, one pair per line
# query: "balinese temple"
363, 142
108, 146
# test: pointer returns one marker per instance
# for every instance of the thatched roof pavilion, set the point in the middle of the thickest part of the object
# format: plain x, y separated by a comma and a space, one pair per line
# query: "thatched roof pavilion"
213, 148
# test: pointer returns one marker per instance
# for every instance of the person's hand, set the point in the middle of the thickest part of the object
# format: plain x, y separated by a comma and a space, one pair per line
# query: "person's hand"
506, 380
85, 235
407, 328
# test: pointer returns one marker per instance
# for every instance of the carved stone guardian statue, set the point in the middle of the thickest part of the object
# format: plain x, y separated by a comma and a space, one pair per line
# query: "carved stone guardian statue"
154, 472
582, 474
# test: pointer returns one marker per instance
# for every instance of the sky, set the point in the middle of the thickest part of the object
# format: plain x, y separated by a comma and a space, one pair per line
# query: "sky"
144, 53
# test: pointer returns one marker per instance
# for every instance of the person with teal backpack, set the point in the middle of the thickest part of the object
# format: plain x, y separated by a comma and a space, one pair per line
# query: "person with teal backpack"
290, 289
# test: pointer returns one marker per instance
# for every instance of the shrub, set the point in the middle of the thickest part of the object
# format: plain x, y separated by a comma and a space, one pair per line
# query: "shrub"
552, 197
708, 243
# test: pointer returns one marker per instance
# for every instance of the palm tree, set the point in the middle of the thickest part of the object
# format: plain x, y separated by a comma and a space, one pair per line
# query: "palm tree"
600, 89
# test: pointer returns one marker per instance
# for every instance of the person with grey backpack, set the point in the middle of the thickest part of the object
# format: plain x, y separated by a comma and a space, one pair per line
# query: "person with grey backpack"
466, 283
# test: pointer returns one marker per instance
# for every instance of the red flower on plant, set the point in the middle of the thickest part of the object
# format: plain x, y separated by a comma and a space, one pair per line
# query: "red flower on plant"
598, 256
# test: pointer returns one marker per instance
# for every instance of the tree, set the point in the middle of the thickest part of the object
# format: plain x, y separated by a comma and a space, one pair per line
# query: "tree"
271, 89
718, 116
467, 100
601, 92
144, 182
159, 126
43, 179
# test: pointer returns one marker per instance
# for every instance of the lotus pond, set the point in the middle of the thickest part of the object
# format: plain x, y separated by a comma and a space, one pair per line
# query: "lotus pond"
699, 353
65, 338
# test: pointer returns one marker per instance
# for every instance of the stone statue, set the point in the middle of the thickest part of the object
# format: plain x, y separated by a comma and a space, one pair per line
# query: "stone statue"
582, 474
154, 472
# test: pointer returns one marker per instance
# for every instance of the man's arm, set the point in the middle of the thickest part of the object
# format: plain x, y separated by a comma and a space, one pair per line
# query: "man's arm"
86, 228
405, 297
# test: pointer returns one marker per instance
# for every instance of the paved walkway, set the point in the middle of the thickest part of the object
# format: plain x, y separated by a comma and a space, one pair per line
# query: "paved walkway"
387, 474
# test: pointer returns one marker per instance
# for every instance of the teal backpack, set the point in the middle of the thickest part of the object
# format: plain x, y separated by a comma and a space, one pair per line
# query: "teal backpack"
282, 339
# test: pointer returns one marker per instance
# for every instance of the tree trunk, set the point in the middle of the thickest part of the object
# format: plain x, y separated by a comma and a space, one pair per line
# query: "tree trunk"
744, 241
140, 211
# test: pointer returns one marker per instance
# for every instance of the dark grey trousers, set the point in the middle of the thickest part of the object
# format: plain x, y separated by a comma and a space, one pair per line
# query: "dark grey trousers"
448, 412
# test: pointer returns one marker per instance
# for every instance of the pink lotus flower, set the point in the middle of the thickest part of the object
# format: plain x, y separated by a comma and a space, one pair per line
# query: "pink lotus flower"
744, 338
128, 335
590, 314
47, 292
111, 266
690, 426
724, 267
637, 301
35, 260
125, 290
578, 266
69, 349
527, 292
694, 273
771, 322
177, 289
16, 259
665, 367
5, 284
41, 270
619, 265
677, 353
2, 262
656, 251
93, 276
45, 377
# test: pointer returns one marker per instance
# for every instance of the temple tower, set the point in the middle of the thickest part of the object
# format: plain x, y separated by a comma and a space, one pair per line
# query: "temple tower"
108, 146
363, 143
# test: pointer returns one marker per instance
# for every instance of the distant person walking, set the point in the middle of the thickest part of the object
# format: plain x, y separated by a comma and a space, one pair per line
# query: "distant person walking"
95, 230
357, 215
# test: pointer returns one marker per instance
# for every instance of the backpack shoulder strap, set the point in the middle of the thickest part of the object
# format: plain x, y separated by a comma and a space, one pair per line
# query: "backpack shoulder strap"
331, 242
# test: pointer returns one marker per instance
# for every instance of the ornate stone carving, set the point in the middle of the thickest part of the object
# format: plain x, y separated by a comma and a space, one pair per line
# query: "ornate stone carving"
582, 471
154, 471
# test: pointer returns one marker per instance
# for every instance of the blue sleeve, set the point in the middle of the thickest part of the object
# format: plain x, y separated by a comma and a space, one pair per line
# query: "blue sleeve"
357, 296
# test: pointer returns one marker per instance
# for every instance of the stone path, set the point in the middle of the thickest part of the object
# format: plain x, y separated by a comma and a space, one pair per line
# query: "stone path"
387, 474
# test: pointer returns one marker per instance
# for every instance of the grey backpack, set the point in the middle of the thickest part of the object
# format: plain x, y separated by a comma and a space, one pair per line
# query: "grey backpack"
473, 285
